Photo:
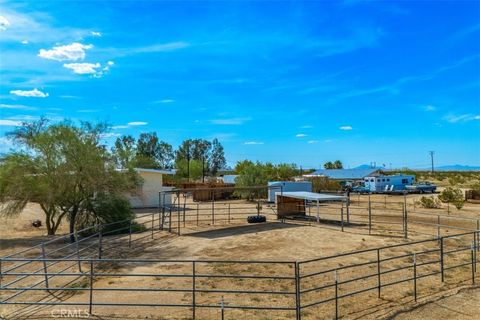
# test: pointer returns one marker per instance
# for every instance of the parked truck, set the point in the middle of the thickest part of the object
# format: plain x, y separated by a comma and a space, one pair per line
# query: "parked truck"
421, 187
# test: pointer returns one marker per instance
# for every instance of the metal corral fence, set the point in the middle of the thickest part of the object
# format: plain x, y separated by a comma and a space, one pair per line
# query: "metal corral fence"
332, 286
213, 206
220, 206
57, 254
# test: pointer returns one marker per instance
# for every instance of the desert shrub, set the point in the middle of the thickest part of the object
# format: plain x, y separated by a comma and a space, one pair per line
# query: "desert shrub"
454, 196
324, 184
113, 211
429, 203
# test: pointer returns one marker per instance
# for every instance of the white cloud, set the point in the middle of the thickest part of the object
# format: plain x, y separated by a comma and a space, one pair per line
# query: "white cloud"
83, 68
120, 127
229, 121
9, 123
165, 101
24, 41
137, 123
452, 118
253, 143
346, 128
162, 47
4, 23
16, 107
300, 135
96, 34
72, 52
110, 63
35, 93
108, 135
429, 108
312, 141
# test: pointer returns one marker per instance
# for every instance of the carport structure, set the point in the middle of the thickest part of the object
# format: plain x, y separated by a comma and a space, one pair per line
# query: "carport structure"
295, 203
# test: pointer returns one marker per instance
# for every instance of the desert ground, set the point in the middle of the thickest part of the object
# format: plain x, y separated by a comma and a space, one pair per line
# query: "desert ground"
289, 241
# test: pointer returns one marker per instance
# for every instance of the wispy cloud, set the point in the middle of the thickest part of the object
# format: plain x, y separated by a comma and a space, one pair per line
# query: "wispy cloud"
130, 124
394, 88
71, 52
16, 107
300, 135
253, 143
164, 101
230, 121
466, 32
137, 123
35, 93
4, 23
95, 34
456, 118
312, 141
346, 128
429, 108
306, 127
10, 123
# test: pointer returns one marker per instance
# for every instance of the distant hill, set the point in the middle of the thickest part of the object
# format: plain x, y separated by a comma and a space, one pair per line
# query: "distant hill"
458, 167
453, 167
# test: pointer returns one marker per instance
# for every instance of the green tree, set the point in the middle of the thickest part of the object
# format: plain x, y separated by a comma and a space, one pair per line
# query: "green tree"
210, 154
337, 164
148, 152
153, 153
454, 196
62, 167
124, 150
217, 158
195, 169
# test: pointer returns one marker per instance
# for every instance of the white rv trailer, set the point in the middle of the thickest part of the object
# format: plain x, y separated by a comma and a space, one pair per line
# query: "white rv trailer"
393, 183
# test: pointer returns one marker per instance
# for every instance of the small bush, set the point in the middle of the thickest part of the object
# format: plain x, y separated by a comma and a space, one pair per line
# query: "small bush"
111, 210
429, 203
454, 196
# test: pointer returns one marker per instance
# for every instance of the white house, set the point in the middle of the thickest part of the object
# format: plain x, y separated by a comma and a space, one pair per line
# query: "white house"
147, 195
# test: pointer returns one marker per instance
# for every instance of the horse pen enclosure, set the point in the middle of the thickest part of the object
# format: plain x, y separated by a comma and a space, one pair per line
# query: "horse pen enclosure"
388, 257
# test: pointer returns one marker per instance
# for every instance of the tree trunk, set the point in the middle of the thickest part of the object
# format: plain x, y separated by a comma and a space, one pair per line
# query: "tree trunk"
73, 217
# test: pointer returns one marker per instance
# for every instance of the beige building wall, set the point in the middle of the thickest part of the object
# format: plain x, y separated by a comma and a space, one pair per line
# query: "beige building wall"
148, 193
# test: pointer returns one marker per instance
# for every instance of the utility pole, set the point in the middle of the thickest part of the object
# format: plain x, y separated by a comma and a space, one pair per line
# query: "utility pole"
431, 157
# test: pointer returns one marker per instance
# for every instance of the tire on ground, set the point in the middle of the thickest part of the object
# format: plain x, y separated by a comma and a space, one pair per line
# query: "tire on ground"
256, 219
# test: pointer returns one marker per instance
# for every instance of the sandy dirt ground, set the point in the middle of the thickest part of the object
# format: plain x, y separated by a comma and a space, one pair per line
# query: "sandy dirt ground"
464, 305
238, 241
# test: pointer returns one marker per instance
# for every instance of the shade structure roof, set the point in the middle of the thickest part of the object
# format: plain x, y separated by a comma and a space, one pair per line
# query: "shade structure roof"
312, 196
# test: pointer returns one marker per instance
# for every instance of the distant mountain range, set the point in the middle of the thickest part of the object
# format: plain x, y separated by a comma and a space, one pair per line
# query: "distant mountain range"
453, 167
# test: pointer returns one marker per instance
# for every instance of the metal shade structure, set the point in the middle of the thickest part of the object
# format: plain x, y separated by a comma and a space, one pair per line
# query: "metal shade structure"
312, 197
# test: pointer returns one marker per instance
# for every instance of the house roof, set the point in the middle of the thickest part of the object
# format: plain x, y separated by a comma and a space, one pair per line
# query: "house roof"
165, 171
343, 174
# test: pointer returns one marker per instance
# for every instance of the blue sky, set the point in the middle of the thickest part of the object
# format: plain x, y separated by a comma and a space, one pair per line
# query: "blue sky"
301, 82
